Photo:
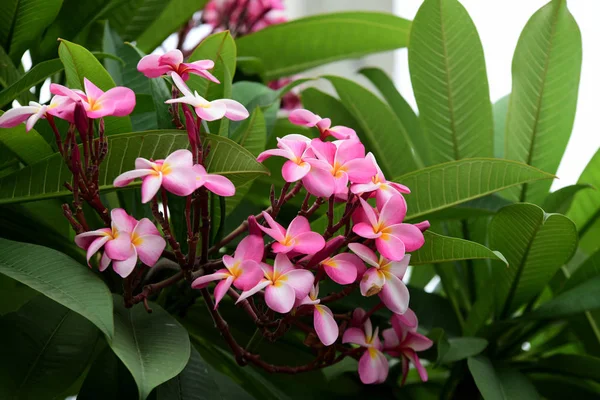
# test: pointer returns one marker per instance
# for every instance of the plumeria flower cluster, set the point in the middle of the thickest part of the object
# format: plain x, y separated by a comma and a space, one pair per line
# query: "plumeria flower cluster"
242, 16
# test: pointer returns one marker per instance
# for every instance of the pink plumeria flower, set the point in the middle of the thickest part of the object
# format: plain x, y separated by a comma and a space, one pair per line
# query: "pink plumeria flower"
323, 320
296, 148
33, 112
117, 102
402, 340
175, 173
307, 118
392, 238
283, 284
124, 242
243, 270
298, 237
373, 367
343, 268
384, 278
154, 65
346, 162
208, 110
382, 188
217, 184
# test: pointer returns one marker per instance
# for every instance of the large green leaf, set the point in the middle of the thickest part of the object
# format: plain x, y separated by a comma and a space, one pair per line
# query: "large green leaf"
445, 185
588, 269
80, 63
500, 108
399, 105
500, 383
7, 16
560, 201
575, 365
46, 347
45, 179
438, 248
536, 245
382, 132
581, 298
31, 18
153, 346
61, 278
29, 147
447, 70
108, 378
35, 75
461, 348
585, 209
134, 17
172, 17
545, 79
295, 46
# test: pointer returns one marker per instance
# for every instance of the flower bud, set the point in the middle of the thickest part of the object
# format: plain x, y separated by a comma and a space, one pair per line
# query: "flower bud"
81, 119
423, 226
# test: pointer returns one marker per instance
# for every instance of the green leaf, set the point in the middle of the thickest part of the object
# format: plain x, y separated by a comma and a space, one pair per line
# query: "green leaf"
154, 347
31, 18
536, 245
501, 383
401, 108
575, 365
500, 109
80, 63
461, 348
45, 179
542, 103
445, 185
46, 348
133, 17
13, 294
35, 75
29, 147
7, 16
382, 132
296, 46
9, 75
438, 248
60, 278
588, 269
557, 387
108, 378
581, 298
173, 16
480, 207
560, 201
585, 209
447, 70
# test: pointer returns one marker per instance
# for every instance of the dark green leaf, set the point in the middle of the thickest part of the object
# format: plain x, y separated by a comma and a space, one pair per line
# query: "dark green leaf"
575, 365
581, 298
445, 185
45, 179
542, 103
172, 17
35, 75
134, 17
292, 47
108, 378
382, 132
588, 269
535, 244
30, 147
557, 387
585, 210
154, 347
60, 278
560, 201
480, 207
500, 383
46, 347
461, 348
13, 294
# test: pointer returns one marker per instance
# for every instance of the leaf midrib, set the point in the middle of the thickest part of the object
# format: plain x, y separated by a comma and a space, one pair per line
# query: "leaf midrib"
138, 351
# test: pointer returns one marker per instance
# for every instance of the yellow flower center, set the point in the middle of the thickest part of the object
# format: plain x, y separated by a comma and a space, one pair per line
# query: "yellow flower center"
338, 169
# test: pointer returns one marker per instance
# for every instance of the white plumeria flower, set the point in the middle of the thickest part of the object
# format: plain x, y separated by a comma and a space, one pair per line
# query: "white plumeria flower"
30, 113
208, 110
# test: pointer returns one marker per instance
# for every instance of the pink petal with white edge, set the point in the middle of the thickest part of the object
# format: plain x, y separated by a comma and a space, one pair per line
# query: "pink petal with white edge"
394, 294
17, 115
149, 66
417, 342
179, 158
85, 239
183, 88
261, 285
365, 230
365, 253
35, 118
104, 263
180, 181
122, 221
412, 356
95, 246
308, 242
235, 111
371, 368
319, 182
281, 248
301, 281
280, 298
203, 281
172, 58
298, 225
359, 188
355, 336
250, 248
351, 150
222, 288
390, 339
127, 177
325, 151
124, 268
150, 186
250, 276
150, 248
190, 68
120, 249
340, 271
273, 153
212, 111
369, 212
390, 247
275, 230
343, 133
359, 265
360, 170
303, 117
325, 325
145, 227
410, 235
398, 268
219, 185
407, 321
92, 91
393, 211
282, 265
292, 172
118, 102
372, 282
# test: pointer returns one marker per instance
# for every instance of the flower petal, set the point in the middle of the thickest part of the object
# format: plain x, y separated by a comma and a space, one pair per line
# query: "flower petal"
92, 91
360, 170
371, 367
235, 111
393, 211
183, 88
149, 66
390, 247
17, 115
122, 221
292, 172
390, 339
325, 325
172, 58
180, 158
369, 212
417, 342
150, 248
250, 248
219, 185
319, 182
365, 253
204, 280
372, 282
412, 356
150, 186
127, 177
301, 280
340, 269
125, 267
273, 153
398, 268
303, 118
222, 288
280, 297
365, 230
85, 239
180, 181
298, 225
410, 235
250, 276
120, 249
275, 230
261, 285
308, 242
104, 262
282, 264
355, 336
211, 111
394, 294
95, 246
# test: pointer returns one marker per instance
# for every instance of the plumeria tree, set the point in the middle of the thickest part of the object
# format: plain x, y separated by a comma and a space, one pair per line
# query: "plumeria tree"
181, 225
